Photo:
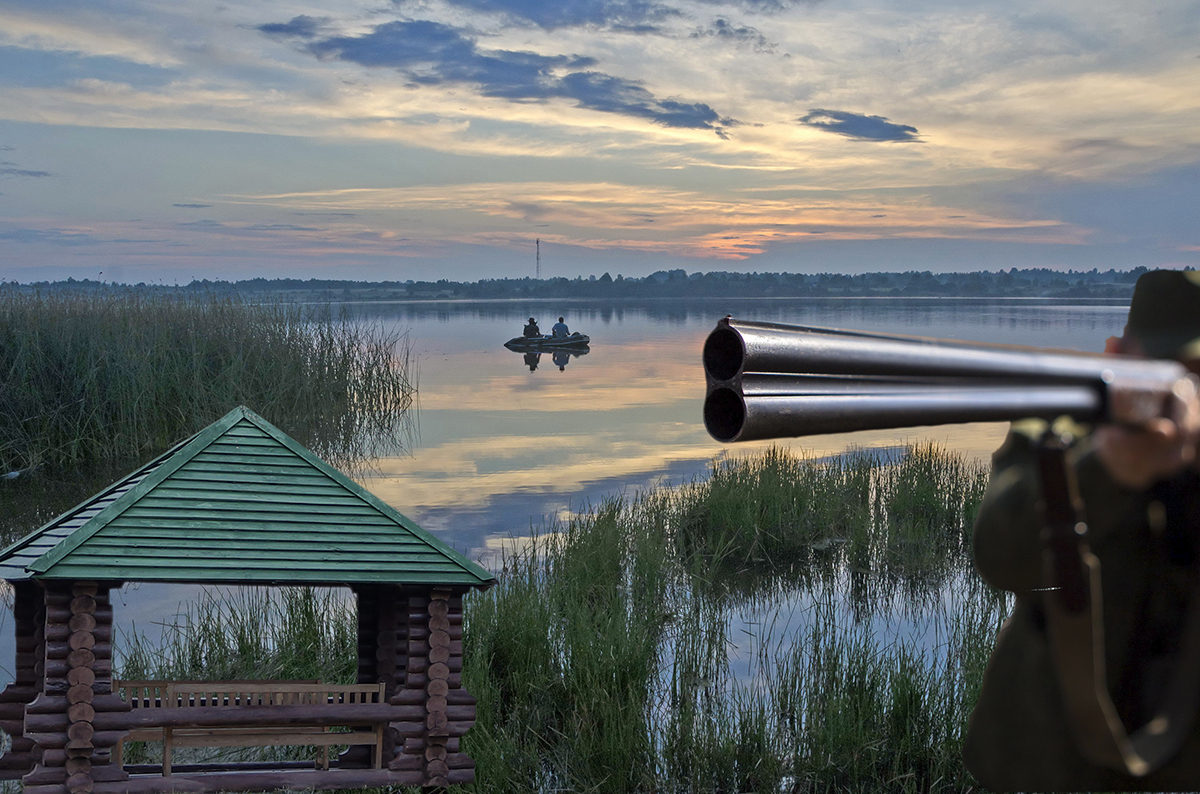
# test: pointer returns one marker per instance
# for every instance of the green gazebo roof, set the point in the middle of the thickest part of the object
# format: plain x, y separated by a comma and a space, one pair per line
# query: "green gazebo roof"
242, 502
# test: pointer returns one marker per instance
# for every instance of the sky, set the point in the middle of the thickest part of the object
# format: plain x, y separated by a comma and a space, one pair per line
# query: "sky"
168, 140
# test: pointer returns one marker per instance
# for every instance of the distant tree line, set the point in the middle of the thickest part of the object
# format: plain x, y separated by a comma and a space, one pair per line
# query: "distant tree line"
1025, 283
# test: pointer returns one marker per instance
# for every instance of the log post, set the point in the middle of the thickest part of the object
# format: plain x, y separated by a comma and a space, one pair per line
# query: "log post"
28, 609
382, 633
434, 680
391, 654
97, 676
76, 683
49, 774
367, 598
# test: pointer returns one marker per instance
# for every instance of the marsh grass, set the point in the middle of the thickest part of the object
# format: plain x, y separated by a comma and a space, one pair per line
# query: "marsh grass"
780, 521
564, 654
90, 376
604, 659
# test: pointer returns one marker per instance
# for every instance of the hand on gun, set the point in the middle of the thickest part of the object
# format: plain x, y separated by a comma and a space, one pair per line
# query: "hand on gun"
1138, 450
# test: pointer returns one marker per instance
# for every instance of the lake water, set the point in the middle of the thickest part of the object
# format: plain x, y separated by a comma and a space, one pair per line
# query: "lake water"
503, 447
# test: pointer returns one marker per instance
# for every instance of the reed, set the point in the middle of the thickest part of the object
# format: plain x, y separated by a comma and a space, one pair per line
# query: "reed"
655, 584
88, 376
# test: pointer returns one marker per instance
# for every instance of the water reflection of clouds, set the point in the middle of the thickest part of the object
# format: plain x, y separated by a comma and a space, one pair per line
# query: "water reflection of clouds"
621, 376
629, 412
471, 471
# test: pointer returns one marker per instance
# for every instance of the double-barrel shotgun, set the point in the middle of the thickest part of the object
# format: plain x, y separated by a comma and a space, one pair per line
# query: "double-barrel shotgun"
773, 381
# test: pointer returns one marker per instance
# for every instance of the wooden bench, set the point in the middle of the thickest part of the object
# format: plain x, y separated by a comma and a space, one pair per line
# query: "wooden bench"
207, 694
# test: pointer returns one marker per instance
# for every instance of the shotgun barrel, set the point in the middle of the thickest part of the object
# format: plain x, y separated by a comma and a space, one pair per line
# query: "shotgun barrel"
767, 380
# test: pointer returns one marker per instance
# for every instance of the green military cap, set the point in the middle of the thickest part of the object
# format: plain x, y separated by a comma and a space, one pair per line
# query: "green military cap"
1164, 315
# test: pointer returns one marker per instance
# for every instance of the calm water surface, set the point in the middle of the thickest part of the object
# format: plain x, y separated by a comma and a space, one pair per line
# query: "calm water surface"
506, 442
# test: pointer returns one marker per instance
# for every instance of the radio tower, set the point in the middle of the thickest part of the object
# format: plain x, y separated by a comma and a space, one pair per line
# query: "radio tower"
538, 247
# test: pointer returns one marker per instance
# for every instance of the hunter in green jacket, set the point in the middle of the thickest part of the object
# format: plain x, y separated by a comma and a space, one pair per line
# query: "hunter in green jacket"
1140, 489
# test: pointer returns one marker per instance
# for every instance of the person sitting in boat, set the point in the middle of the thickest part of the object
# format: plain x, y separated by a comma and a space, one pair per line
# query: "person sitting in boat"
532, 329
560, 330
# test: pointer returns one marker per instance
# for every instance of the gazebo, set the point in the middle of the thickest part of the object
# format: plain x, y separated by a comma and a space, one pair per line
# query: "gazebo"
239, 503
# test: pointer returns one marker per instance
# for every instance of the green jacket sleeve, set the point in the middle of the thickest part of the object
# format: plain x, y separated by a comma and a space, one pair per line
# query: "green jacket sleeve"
1007, 540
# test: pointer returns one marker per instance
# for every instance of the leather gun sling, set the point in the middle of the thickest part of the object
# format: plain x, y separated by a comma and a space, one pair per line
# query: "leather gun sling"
1075, 629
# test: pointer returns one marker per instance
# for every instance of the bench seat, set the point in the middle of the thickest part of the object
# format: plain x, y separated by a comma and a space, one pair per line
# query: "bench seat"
206, 694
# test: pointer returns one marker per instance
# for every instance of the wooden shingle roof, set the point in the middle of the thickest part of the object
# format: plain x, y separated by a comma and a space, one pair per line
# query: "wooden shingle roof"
239, 502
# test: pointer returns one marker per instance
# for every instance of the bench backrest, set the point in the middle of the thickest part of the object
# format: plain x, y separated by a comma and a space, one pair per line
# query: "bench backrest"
188, 694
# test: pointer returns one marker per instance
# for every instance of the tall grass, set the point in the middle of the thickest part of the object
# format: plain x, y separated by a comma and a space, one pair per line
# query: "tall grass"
612, 656
87, 376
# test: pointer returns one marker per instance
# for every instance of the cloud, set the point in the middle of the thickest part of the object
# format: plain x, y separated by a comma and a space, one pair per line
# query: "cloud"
23, 172
858, 125
597, 91
528, 210
90, 30
302, 27
430, 53
192, 206
631, 16
724, 30
52, 236
242, 228
625, 16
279, 227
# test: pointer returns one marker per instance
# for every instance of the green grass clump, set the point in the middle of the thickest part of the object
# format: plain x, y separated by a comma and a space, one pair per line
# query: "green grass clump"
778, 520
775, 509
859, 714
602, 660
88, 376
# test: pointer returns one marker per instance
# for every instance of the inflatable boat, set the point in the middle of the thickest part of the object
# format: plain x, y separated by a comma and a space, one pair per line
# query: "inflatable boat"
574, 341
